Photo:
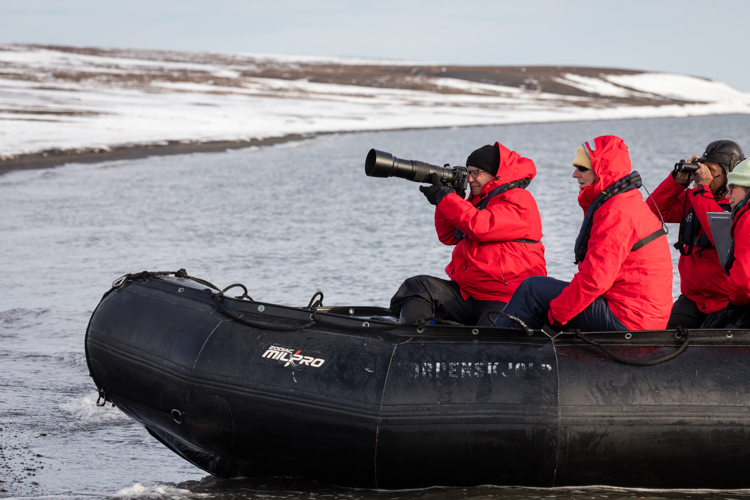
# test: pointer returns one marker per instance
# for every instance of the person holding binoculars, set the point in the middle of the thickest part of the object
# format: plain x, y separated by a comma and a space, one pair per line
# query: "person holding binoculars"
703, 282
496, 232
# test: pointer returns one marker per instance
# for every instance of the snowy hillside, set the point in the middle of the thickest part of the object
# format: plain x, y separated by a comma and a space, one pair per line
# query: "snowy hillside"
83, 99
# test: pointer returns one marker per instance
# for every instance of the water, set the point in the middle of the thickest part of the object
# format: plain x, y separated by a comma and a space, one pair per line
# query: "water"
286, 221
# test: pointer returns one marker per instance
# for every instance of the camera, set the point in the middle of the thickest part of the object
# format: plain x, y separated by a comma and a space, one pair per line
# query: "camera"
685, 166
382, 164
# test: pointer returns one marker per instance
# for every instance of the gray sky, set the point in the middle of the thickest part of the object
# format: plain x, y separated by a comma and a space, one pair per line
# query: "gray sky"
703, 38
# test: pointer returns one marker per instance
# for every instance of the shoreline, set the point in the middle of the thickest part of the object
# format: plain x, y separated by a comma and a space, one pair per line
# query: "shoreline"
56, 157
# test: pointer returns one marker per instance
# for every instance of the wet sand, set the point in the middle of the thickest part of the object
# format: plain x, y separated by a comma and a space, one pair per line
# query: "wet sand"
57, 157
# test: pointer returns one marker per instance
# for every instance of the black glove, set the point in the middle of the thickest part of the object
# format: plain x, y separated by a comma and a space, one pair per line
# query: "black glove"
552, 324
436, 191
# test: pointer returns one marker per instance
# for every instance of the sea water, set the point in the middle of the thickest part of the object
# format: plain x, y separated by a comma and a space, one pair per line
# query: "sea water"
286, 221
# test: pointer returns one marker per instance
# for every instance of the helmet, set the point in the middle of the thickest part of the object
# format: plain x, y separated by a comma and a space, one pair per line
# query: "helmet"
726, 153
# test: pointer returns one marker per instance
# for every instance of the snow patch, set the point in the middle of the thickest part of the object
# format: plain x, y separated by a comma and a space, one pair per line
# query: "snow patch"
597, 86
681, 87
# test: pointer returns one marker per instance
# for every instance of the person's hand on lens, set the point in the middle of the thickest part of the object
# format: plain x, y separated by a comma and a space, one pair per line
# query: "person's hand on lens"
436, 191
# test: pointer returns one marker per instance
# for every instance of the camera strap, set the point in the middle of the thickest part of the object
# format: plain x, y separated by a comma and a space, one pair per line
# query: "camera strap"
522, 183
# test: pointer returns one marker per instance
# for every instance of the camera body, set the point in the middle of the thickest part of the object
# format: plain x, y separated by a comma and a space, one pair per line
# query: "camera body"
686, 166
382, 164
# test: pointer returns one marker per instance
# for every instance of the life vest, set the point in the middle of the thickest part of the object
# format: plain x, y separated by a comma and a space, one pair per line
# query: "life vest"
739, 210
521, 183
690, 226
627, 183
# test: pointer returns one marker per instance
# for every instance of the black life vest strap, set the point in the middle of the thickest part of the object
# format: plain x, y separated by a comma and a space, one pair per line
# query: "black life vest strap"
522, 240
521, 183
738, 212
648, 239
689, 231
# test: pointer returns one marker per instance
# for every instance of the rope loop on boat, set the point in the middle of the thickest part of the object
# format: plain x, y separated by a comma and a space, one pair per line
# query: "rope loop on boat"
684, 333
244, 294
315, 302
520, 322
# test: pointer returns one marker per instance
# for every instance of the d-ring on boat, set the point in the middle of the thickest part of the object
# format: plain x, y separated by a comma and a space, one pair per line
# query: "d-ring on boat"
243, 388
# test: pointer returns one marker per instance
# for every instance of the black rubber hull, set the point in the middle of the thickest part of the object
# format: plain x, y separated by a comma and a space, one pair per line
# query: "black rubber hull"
403, 409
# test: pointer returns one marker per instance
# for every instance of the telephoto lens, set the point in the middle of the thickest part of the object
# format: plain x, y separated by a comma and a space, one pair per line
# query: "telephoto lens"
382, 164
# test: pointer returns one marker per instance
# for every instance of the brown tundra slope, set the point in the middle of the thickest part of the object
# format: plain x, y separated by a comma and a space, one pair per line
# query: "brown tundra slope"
60, 103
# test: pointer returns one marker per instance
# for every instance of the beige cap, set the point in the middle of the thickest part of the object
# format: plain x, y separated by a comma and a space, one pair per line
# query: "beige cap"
582, 158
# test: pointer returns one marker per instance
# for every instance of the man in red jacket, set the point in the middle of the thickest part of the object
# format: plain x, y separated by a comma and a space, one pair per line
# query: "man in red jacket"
624, 279
497, 235
703, 282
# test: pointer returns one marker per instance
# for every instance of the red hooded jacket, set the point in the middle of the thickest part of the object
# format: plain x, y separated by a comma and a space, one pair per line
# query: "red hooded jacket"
739, 275
637, 285
702, 277
487, 264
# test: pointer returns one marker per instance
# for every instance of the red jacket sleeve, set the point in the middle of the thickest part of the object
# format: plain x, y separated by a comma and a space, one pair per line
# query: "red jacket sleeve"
612, 237
446, 231
670, 198
739, 276
506, 217
703, 202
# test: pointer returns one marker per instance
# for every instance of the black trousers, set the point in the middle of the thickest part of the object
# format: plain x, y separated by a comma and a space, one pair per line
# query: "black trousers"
424, 296
685, 313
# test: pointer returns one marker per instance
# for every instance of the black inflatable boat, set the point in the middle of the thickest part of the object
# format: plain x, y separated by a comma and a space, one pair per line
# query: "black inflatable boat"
242, 388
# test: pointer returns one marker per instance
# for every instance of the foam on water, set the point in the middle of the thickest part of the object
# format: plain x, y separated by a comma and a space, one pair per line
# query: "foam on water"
86, 411
157, 491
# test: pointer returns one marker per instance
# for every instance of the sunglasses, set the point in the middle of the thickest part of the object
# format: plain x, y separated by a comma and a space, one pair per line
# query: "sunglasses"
581, 168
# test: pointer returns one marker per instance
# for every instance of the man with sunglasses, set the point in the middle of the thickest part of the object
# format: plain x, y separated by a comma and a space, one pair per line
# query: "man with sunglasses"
703, 283
624, 278
497, 235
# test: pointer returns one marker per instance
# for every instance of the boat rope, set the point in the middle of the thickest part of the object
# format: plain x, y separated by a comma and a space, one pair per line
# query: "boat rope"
315, 319
315, 302
636, 362
145, 275
520, 322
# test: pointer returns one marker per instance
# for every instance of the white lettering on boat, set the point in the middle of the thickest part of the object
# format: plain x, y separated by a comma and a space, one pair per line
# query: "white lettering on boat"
474, 369
290, 357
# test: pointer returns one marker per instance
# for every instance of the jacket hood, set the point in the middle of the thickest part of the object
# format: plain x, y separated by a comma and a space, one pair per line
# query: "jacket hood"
610, 162
513, 167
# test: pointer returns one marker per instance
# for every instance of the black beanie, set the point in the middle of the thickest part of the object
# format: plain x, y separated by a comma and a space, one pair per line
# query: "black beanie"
487, 158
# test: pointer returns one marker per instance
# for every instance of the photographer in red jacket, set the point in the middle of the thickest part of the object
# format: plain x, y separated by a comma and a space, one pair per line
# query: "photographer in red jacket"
624, 278
703, 282
497, 235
